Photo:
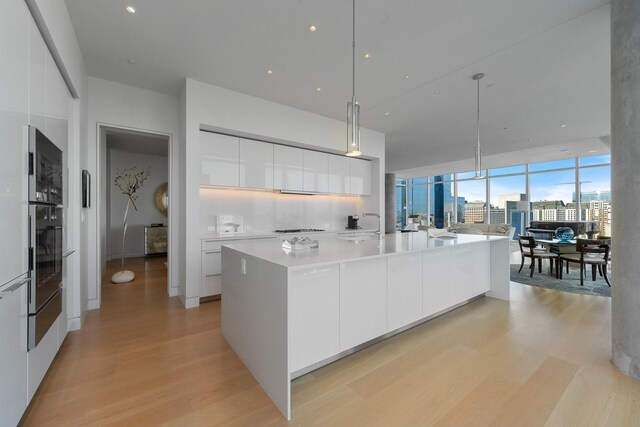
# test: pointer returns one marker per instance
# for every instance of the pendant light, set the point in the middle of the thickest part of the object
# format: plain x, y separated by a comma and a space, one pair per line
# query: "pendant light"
353, 108
478, 172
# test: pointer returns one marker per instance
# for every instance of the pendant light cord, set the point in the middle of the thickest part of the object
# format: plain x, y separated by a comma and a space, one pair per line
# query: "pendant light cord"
353, 44
478, 120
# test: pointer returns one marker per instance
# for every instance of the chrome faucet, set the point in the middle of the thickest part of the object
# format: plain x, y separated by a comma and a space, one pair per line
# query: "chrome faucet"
378, 232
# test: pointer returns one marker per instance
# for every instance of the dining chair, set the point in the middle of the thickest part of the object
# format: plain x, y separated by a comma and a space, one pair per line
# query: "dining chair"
529, 249
594, 252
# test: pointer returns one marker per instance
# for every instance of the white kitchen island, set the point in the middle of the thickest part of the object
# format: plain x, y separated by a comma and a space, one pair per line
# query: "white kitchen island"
286, 313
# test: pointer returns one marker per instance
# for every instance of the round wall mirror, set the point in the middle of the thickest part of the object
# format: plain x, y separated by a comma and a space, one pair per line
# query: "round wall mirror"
162, 198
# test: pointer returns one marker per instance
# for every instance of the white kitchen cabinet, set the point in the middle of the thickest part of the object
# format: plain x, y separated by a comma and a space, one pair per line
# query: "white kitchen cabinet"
14, 116
314, 315
436, 281
287, 164
40, 357
462, 272
339, 174
256, 164
404, 290
37, 77
211, 265
13, 352
360, 182
315, 167
220, 159
481, 268
363, 301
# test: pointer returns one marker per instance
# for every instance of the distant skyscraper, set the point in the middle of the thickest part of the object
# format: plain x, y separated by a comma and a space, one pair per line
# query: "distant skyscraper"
590, 196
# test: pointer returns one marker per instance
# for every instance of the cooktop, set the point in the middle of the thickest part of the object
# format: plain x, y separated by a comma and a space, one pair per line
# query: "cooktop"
298, 230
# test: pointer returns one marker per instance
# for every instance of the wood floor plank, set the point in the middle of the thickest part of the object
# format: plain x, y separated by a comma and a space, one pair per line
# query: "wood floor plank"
534, 401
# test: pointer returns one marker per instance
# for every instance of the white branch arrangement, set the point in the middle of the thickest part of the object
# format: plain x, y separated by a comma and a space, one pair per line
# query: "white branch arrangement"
129, 181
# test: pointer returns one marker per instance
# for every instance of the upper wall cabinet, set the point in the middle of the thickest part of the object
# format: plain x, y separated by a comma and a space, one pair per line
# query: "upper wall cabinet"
360, 177
287, 172
256, 164
220, 159
316, 171
339, 174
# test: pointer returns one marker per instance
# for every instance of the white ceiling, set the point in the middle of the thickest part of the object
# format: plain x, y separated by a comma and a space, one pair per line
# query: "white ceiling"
547, 62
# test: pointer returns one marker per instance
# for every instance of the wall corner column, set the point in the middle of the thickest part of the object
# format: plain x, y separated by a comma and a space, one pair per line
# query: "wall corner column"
625, 183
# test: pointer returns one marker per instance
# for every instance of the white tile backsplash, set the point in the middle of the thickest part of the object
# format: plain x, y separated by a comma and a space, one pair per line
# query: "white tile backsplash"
268, 211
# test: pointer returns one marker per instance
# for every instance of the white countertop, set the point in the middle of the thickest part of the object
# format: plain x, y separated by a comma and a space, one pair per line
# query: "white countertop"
333, 250
267, 234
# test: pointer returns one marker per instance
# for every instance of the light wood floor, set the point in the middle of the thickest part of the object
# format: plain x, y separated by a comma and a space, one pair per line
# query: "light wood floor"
542, 359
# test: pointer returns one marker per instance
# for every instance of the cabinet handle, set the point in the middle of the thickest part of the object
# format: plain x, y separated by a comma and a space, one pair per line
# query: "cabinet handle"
11, 289
211, 274
212, 252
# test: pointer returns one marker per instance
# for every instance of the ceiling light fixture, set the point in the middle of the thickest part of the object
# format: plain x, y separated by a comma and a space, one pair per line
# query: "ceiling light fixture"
269, 72
407, 77
130, 9
478, 171
353, 108
313, 28
563, 125
386, 114
131, 61
318, 89
367, 56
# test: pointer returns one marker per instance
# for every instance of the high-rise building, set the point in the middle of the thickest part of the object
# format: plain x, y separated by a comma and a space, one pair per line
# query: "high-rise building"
474, 212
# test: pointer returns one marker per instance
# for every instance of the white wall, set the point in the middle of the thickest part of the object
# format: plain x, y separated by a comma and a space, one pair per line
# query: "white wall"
204, 106
121, 106
147, 212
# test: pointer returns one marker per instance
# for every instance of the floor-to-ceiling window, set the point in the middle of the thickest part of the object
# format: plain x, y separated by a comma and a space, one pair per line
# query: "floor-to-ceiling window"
595, 191
401, 203
508, 189
441, 200
471, 198
575, 189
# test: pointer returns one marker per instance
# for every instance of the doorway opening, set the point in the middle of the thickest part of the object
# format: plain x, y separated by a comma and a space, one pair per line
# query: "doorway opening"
146, 248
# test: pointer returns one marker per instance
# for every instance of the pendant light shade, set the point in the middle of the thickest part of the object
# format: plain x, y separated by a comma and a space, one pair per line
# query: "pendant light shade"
353, 128
478, 170
353, 108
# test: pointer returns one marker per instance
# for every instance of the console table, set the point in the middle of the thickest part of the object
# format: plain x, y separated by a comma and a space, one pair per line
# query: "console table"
155, 240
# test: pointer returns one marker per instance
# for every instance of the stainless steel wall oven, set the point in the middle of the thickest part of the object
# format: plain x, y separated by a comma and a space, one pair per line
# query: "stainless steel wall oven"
45, 231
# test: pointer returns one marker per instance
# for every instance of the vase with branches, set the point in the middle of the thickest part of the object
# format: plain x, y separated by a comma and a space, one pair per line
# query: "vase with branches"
129, 181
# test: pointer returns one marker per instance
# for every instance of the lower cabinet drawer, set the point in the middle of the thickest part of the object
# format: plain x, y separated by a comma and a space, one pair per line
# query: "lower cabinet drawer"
211, 284
211, 262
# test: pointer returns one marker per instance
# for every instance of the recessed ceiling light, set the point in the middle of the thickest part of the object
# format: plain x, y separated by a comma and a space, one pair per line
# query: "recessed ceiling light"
131, 61
564, 151
505, 128
318, 89
367, 56
437, 92
563, 125
269, 71
130, 9
313, 28
529, 140
407, 77
386, 114
592, 151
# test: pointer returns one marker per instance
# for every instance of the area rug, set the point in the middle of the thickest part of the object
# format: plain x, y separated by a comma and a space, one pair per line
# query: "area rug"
569, 282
